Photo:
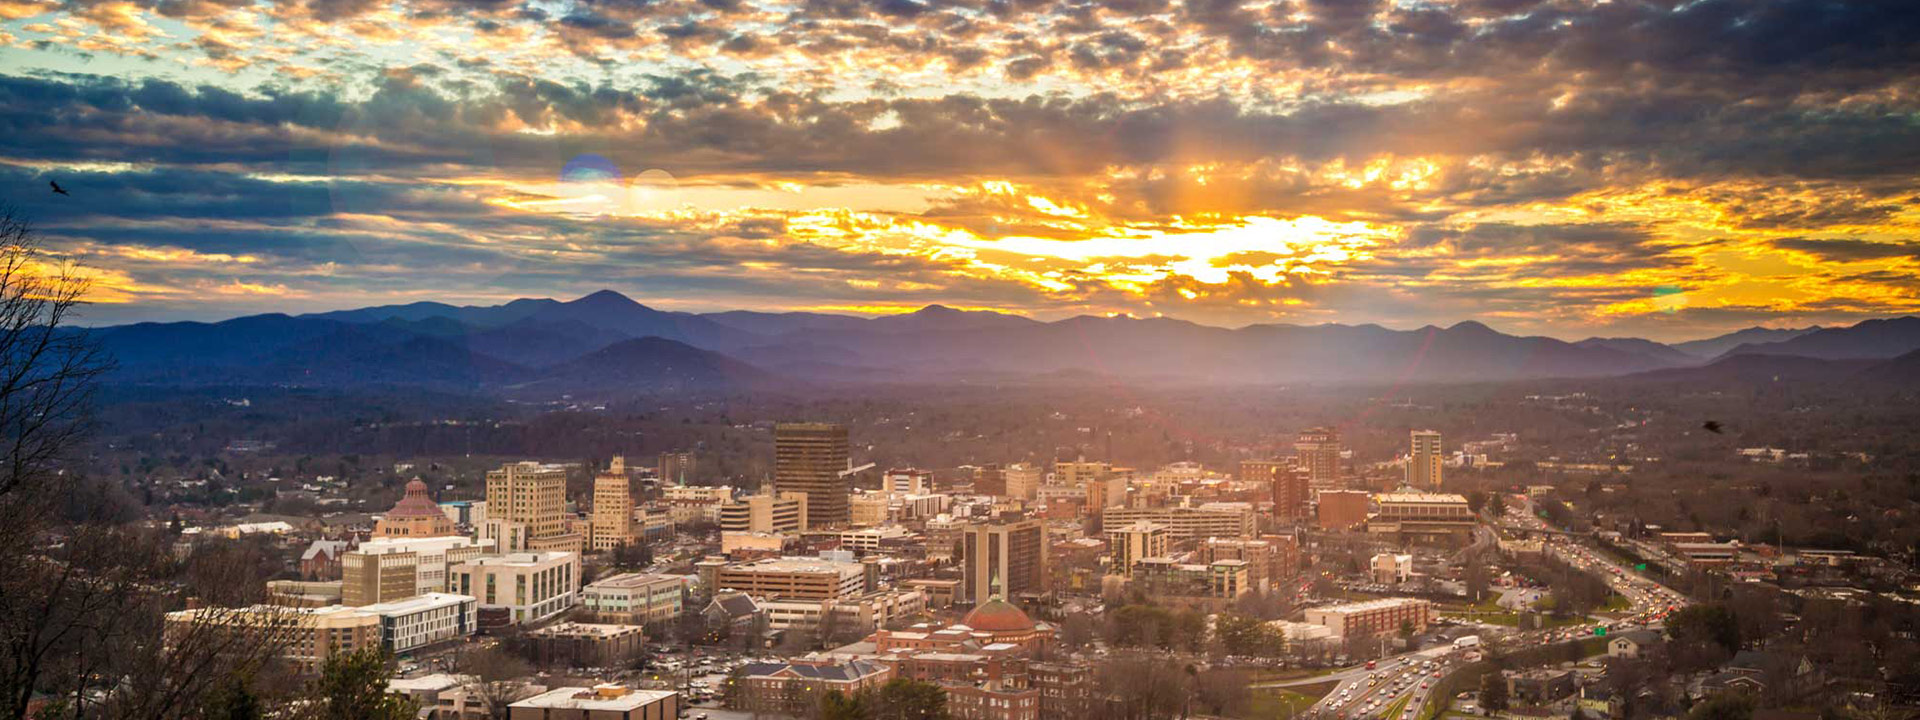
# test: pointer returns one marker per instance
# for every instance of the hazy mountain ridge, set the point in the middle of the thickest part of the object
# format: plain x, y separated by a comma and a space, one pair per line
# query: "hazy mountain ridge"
594, 344
1714, 347
1878, 338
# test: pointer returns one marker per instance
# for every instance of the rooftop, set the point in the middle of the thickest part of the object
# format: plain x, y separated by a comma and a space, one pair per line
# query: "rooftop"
599, 697
416, 603
1420, 497
1379, 604
800, 565
631, 580
574, 629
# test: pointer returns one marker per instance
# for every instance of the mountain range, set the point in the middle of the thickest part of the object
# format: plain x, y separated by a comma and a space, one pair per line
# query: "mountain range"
607, 344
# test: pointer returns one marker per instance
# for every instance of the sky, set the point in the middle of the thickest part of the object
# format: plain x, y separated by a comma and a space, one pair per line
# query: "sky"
1659, 169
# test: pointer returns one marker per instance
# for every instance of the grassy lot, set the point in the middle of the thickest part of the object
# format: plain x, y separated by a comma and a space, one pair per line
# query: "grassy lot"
1316, 690
1266, 676
1393, 710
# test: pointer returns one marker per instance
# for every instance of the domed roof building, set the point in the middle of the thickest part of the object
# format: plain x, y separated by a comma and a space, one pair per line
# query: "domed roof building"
416, 515
994, 626
998, 616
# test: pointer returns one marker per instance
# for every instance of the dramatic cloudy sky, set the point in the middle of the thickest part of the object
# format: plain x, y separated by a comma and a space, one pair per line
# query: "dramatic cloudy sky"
1667, 169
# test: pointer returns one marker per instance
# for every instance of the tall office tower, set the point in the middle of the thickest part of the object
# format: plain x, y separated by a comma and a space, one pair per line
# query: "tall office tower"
1291, 490
811, 458
1004, 559
675, 467
990, 479
612, 520
1423, 464
1141, 539
527, 509
1318, 450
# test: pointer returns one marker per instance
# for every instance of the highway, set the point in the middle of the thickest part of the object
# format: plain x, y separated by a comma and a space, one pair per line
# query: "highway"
1368, 694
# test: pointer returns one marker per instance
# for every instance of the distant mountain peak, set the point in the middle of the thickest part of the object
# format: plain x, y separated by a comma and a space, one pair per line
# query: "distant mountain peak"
936, 309
606, 298
1473, 326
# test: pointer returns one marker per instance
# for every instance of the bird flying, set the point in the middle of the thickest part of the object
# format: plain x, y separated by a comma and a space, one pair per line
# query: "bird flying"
57, 189
1712, 426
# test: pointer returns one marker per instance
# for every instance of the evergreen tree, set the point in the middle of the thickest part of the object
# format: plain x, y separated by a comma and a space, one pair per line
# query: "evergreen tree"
353, 686
1493, 693
233, 701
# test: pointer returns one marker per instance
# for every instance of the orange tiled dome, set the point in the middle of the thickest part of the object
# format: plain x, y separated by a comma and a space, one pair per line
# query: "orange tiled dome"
997, 615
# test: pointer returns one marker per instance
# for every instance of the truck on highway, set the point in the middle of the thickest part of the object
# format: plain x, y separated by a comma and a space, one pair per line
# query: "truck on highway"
1467, 642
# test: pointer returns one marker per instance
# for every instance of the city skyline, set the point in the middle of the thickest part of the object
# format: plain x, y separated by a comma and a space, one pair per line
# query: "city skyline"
1558, 168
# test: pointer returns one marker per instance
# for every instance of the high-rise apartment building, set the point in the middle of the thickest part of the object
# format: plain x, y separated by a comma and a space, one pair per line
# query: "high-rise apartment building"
1423, 463
1140, 539
811, 458
1291, 490
1004, 559
527, 509
612, 520
1318, 451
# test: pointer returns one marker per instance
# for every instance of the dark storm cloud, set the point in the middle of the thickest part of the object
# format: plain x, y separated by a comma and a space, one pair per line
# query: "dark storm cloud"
1848, 249
1561, 250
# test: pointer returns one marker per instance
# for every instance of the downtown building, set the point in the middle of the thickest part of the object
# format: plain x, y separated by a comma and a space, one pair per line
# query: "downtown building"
392, 568
612, 519
1211, 520
636, 598
521, 587
1318, 451
1424, 460
811, 459
1373, 617
527, 510
1426, 518
1003, 559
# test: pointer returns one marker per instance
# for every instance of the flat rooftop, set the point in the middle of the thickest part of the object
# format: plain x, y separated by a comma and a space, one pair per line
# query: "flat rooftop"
580, 698
631, 580
1399, 497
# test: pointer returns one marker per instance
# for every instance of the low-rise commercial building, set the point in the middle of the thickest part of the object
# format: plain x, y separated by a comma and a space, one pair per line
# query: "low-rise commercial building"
1386, 615
587, 644
636, 598
391, 568
850, 614
522, 587
793, 578
600, 702
784, 513
794, 688
1342, 509
1438, 518
1214, 520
